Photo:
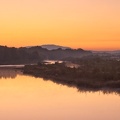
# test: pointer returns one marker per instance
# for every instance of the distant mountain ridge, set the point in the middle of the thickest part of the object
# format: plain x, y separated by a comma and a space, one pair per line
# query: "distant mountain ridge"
50, 47
34, 54
54, 47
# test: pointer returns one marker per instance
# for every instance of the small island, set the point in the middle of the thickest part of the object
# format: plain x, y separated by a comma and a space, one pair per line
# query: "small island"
95, 73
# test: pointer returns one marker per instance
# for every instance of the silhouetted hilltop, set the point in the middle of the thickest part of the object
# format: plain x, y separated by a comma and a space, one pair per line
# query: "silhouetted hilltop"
53, 47
23, 55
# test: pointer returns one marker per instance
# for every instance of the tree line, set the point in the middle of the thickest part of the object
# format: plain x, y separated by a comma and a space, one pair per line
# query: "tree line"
23, 55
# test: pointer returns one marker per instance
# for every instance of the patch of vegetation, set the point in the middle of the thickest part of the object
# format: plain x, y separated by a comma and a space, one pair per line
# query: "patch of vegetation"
94, 73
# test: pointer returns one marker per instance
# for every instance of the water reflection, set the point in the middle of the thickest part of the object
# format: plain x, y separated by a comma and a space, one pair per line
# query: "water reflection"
30, 98
87, 89
104, 91
12, 73
9, 73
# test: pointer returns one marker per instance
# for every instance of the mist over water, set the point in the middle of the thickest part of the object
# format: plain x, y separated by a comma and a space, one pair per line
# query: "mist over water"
25, 97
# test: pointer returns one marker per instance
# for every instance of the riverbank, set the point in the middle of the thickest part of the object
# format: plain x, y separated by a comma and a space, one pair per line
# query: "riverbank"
73, 76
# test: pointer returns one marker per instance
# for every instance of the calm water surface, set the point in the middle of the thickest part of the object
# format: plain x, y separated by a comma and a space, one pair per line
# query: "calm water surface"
27, 98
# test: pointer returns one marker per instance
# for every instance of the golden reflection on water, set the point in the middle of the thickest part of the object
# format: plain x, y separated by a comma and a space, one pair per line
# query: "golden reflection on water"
29, 98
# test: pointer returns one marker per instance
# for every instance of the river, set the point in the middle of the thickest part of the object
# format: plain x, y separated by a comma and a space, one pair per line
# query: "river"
25, 97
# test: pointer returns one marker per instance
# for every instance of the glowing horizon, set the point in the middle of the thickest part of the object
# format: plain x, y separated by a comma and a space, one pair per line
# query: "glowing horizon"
87, 24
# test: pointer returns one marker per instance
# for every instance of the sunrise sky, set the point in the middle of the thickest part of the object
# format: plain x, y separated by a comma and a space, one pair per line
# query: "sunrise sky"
88, 24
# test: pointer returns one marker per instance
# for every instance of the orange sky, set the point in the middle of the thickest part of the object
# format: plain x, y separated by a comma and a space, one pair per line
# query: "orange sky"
88, 24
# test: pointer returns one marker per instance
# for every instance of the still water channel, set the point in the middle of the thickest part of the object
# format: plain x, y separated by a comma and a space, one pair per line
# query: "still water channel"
25, 97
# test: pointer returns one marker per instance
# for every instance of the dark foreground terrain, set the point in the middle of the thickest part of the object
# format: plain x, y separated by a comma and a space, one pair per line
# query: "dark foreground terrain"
94, 74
